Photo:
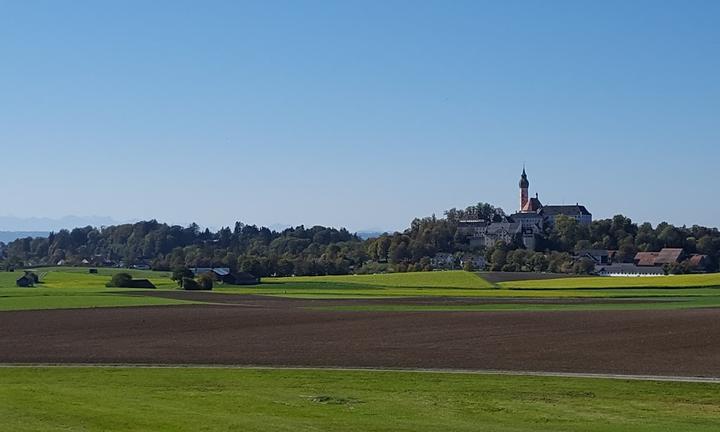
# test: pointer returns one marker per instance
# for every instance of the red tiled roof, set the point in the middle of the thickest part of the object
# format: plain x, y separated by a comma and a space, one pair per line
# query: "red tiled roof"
697, 260
668, 256
646, 258
532, 205
665, 256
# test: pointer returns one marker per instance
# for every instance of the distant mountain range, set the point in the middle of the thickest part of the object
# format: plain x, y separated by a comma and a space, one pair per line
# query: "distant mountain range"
369, 234
13, 227
14, 223
8, 236
363, 234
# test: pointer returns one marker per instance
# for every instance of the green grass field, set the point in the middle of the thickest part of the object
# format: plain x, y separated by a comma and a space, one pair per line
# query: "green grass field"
216, 399
75, 288
420, 280
463, 284
450, 283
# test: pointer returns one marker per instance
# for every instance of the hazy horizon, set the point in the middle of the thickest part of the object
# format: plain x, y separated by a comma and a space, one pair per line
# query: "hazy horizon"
356, 114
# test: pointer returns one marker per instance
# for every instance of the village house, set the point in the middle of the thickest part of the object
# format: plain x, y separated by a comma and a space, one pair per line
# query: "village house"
645, 263
698, 263
666, 256
443, 260
598, 256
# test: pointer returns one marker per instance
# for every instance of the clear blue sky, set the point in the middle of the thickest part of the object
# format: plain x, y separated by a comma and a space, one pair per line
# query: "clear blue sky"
359, 114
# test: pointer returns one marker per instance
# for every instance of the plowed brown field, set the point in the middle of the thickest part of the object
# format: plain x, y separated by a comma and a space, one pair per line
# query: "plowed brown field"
273, 331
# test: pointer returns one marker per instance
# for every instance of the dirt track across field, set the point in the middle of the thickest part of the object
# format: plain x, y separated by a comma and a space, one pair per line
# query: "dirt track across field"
275, 331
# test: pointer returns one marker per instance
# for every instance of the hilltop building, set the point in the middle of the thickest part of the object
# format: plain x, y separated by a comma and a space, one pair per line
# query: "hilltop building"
534, 209
526, 225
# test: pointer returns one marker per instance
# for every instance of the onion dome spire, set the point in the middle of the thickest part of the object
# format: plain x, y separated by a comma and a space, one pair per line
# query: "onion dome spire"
524, 183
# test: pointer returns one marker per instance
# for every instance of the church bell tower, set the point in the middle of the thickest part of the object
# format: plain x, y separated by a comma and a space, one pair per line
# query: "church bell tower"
524, 186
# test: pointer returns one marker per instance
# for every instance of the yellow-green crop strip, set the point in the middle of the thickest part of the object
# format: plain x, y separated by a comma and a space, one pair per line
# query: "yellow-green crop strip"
672, 281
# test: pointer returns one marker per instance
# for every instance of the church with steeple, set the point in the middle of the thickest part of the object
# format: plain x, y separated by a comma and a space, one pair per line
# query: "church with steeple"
527, 205
530, 206
525, 226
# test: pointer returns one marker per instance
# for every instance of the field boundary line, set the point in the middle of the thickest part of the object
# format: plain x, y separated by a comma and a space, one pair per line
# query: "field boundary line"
615, 376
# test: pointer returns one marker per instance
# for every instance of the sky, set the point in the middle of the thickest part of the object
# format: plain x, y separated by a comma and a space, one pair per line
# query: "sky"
358, 114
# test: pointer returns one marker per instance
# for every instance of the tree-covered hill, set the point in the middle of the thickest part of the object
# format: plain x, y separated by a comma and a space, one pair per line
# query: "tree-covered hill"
261, 251
322, 250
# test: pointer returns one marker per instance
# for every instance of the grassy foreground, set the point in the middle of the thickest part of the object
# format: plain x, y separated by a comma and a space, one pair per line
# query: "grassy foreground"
139, 399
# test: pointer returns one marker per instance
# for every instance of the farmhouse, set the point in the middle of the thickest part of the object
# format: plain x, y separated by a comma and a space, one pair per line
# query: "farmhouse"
241, 278
646, 263
598, 256
219, 272
666, 256
224, 275
698, 263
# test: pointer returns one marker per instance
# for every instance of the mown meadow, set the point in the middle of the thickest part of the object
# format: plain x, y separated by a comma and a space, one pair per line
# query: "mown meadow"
90, 399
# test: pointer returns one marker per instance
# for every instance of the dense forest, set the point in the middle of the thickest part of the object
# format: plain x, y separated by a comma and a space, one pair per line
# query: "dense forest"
321, 250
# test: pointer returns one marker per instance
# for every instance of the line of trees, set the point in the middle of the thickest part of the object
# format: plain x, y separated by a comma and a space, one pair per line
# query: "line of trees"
322, 250
260, 251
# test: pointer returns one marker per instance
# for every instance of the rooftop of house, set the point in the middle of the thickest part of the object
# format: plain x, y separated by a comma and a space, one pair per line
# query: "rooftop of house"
498, 227
669, 256
665, 256
519, 216
697, 260
595, 252
532, 205
568, 210
220, 271
646, 258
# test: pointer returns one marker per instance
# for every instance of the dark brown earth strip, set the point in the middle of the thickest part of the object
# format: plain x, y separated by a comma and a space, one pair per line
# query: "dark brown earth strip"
272, 301
678, 342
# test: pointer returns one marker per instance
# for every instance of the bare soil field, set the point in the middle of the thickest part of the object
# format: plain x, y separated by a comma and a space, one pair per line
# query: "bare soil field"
282, 332
282, 302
